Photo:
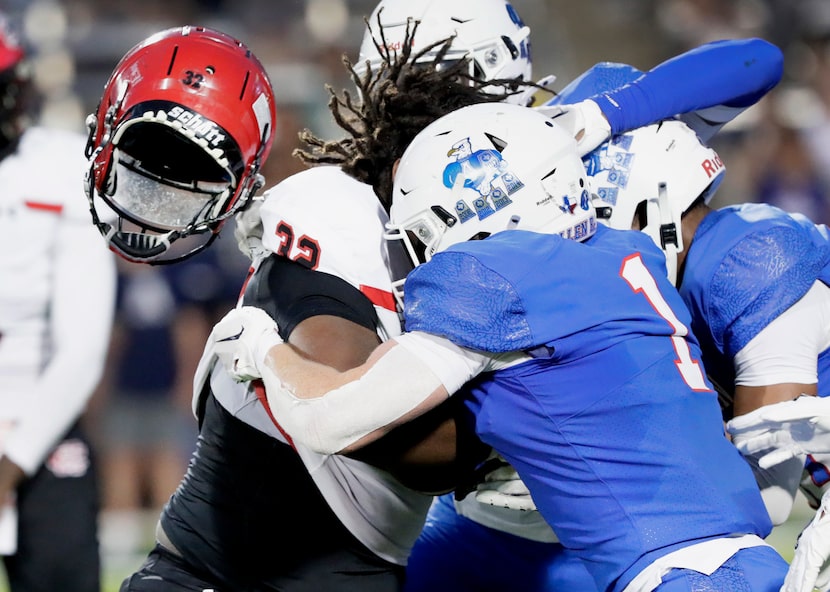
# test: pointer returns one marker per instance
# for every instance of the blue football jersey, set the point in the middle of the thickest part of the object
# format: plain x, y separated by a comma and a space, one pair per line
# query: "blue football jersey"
746, 265
611, 424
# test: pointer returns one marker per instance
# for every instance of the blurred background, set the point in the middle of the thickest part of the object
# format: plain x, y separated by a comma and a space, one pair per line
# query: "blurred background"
778, 152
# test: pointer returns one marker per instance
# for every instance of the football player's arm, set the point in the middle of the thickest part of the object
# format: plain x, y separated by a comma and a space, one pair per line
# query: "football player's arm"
321, 338
334, 412
777, 366
730, 74
706, 87
331, 411
80, 317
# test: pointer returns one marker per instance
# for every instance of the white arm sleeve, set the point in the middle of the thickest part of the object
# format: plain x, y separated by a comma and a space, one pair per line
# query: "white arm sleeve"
411, 377
454, 365
786, 350
81, 313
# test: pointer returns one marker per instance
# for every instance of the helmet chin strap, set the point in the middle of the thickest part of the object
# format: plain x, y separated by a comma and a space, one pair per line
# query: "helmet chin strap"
669, 232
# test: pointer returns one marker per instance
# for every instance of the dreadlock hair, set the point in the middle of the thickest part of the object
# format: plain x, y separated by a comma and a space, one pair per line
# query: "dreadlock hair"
404, 95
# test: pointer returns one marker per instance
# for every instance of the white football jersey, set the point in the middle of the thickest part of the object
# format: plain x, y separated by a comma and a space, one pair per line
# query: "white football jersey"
335, 225
57, 293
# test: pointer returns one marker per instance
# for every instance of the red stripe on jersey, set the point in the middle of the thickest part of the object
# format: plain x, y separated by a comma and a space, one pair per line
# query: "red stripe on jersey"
378, 297
45, 207
248, 277
259, 389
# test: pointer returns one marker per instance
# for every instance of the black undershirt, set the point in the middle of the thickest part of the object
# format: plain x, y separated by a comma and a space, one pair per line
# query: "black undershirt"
292, 293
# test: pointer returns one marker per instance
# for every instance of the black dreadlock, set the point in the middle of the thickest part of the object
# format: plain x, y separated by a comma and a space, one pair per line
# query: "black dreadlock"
401, 98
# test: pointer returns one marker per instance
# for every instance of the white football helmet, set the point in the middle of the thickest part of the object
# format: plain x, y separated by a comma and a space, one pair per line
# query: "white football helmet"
483, 169
488, 32
658, 172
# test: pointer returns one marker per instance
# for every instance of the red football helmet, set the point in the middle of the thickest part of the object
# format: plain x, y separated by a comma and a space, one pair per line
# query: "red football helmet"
185, 122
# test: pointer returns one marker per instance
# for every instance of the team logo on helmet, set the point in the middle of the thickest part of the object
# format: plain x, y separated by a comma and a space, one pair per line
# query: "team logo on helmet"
486, 173
615, 160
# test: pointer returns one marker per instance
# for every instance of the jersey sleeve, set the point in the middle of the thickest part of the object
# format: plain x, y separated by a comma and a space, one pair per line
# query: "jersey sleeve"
758, 279
486, 311
291, 293
732, 74
787, 349
599, 78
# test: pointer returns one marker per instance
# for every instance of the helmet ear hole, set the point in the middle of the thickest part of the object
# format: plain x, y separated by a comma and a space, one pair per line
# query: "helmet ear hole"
419, 248
640, 220
511, 47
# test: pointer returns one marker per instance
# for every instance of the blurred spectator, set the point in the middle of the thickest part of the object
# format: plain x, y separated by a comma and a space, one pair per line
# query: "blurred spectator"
57, 291
786, 169
689, 23
141, 416
147, 430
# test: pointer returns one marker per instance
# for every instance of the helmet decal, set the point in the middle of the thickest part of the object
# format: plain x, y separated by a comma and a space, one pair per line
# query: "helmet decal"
201, 127
514, 16
484, 169
486, 173
570, 204
653, 175
614, 159
712, 166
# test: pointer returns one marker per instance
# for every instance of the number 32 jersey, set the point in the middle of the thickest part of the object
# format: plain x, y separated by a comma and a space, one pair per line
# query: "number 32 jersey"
330, 223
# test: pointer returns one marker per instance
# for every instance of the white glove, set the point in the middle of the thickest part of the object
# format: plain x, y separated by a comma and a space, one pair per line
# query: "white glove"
248, 230
502, 487
810, 567
242, 339
584, 121
790, 429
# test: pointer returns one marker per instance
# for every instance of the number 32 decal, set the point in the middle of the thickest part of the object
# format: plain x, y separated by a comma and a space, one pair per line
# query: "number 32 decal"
193, 79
